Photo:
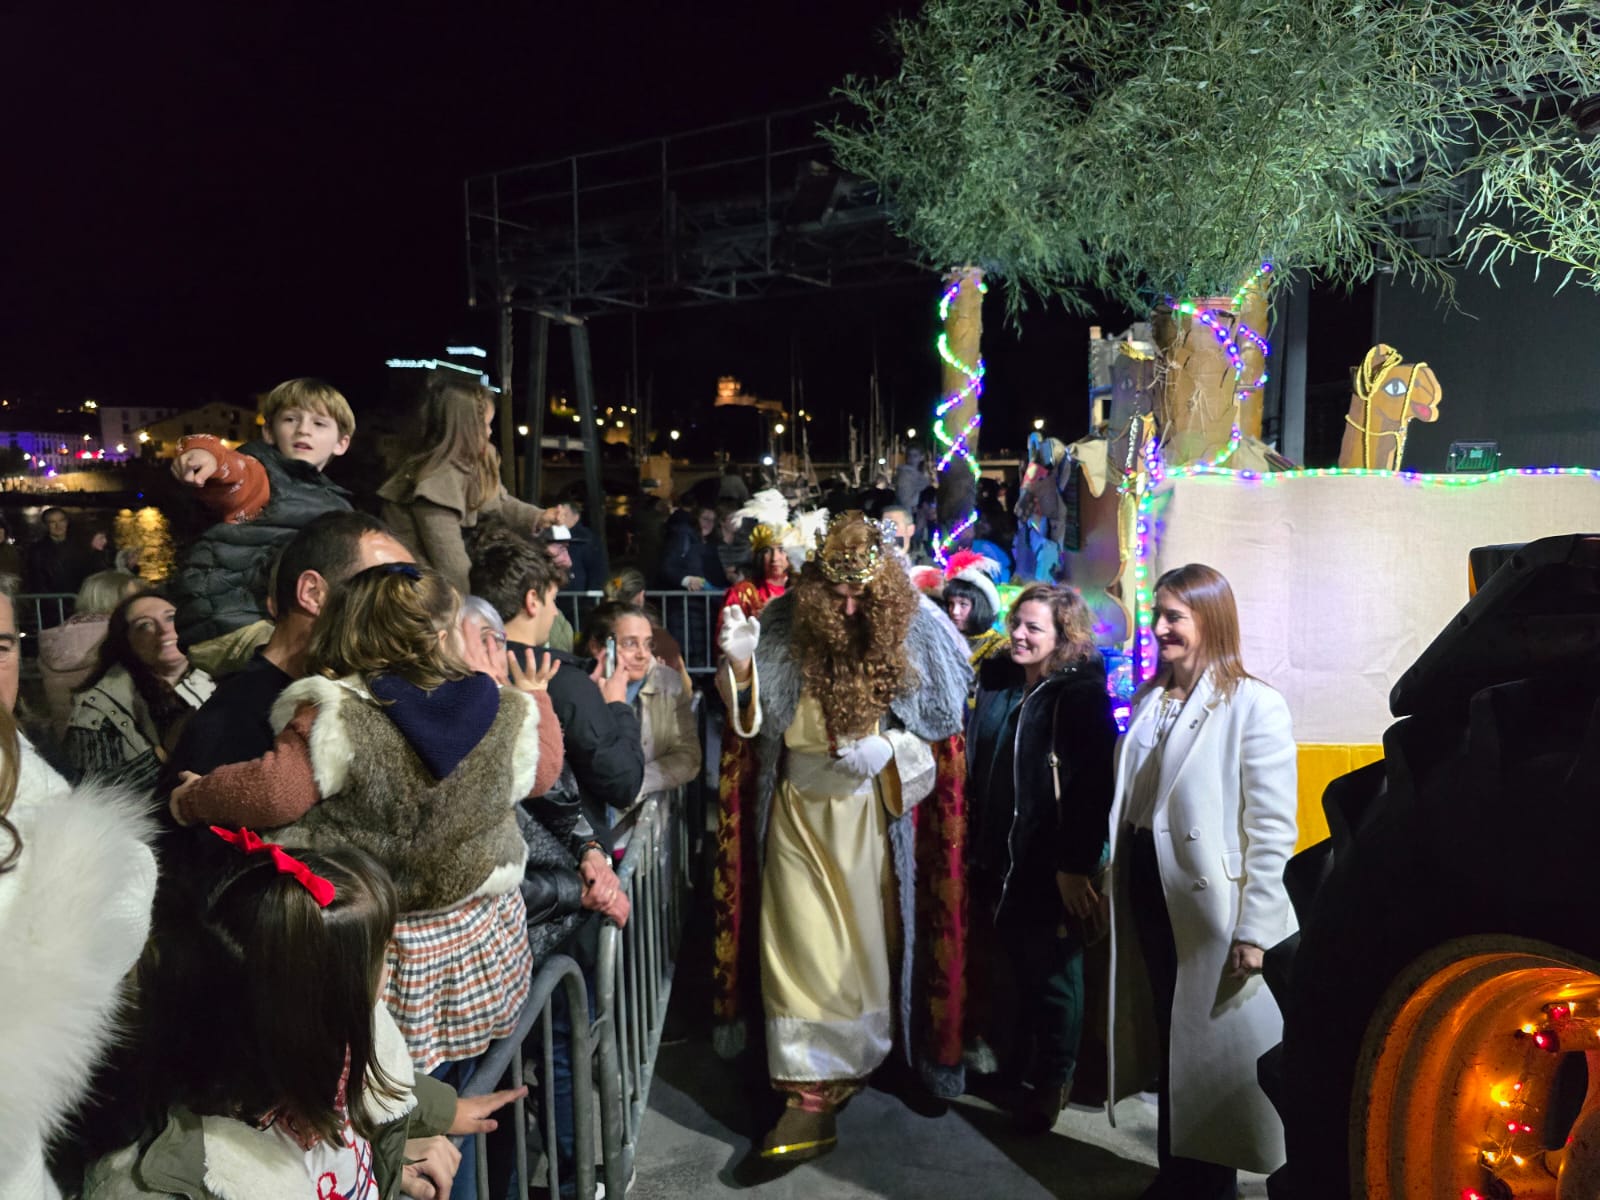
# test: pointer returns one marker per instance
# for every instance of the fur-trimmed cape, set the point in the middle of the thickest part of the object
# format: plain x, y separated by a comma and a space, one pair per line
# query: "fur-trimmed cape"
74, 914
927, 844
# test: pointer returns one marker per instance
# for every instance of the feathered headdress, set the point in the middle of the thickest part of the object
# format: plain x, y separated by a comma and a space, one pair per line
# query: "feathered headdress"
763, 537
803, 534
771, 512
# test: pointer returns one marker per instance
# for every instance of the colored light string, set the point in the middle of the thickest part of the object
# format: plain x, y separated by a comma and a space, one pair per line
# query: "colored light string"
1146, 521
958, 448
1229, 341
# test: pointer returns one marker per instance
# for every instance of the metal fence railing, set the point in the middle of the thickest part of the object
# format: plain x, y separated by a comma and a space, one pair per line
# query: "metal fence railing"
632, 984
635, 978
37, 611
42, 610
691, 617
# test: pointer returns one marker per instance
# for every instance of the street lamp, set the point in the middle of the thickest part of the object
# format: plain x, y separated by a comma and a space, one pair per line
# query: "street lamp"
1039, 423
911, 433
766, 460
778, 428
522, 430
674, 435
143, 437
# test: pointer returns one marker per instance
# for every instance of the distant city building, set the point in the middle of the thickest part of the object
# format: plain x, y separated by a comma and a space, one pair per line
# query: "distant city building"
230, 422
120, 426
56, 451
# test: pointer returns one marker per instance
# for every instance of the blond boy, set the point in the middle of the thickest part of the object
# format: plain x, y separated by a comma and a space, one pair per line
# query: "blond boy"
260, 494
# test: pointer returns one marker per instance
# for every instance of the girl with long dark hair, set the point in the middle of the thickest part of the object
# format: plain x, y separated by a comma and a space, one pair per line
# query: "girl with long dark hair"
273, 1064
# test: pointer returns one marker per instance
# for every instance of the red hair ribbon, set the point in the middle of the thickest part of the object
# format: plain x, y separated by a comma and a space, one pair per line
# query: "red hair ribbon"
248, 843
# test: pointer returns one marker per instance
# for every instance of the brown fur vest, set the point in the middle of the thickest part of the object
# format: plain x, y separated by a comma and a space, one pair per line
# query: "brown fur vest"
442, 840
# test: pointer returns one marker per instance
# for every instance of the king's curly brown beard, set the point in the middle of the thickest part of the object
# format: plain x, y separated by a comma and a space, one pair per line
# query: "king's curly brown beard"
854, 665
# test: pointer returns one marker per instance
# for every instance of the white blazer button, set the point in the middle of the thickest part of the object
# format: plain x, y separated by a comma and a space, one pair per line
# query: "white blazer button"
1194, 835
1202, 883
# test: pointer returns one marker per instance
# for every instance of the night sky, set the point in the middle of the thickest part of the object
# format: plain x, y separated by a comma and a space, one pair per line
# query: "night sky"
204, 202
207, 201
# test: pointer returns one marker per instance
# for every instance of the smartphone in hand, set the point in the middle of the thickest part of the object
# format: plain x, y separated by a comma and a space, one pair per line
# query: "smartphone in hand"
611, 656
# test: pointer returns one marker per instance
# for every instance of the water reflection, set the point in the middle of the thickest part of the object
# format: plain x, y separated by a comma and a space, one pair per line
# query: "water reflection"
148, 531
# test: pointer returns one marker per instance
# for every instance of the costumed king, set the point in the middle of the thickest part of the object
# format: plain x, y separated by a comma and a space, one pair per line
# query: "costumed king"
854, 694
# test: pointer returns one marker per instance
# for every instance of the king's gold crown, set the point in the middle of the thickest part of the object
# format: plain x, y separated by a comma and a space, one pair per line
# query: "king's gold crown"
850, 549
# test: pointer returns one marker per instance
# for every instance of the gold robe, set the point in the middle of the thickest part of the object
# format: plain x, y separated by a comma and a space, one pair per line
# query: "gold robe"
824, 943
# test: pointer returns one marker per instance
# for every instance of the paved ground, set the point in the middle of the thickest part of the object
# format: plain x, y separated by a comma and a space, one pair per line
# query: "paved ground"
705, 1114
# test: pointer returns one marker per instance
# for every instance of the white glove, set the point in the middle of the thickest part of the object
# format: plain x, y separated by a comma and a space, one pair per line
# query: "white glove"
866, 757
739, 634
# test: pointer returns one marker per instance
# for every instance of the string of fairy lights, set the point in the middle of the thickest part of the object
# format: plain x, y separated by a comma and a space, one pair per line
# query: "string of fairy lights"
1515, 1159
958, 448
1146, 520
1229, 337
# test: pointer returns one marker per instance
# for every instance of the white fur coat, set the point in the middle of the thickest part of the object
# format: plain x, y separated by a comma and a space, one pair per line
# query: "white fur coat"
74, 914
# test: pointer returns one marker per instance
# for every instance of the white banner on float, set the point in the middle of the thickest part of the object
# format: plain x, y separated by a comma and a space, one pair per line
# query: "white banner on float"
1343, 580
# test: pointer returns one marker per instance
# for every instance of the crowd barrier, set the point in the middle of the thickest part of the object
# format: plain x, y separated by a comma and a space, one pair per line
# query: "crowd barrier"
691, 617
613, 1055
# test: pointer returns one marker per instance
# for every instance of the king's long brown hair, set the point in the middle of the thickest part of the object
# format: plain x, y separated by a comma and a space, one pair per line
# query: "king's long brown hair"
854, 666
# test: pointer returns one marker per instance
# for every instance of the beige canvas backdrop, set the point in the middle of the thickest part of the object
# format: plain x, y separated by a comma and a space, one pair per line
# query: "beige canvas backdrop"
1342, 580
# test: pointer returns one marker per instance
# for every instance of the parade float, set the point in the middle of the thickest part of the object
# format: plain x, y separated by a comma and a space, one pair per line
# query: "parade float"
1441, 999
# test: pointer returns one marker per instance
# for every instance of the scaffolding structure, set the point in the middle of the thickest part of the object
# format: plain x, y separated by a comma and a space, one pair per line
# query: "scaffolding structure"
740, 211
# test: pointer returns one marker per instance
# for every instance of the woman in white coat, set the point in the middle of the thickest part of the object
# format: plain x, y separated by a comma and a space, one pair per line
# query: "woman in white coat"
1201, 826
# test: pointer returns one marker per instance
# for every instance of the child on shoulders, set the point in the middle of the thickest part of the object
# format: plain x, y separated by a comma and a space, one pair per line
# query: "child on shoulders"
260, 496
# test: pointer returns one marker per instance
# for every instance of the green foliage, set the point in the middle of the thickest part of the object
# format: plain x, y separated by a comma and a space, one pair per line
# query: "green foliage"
1146, 147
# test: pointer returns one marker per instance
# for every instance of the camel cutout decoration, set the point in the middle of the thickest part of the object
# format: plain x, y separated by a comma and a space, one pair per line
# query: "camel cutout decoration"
1388, 395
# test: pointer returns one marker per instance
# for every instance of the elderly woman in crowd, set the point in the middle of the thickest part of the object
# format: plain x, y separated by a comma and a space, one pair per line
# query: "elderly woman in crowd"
483, 639
130, 713
665, 708
70, 652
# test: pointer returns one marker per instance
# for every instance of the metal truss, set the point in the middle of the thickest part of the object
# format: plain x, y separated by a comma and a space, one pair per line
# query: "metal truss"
739, 211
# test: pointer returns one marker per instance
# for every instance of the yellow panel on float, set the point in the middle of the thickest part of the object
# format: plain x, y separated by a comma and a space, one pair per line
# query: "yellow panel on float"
1319, 765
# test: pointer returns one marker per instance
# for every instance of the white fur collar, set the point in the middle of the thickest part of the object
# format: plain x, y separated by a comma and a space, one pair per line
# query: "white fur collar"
525, 759
331, 750
244, 1163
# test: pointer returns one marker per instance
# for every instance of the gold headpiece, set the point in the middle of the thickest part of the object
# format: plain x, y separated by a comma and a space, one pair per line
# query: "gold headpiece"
850, 549
763, 537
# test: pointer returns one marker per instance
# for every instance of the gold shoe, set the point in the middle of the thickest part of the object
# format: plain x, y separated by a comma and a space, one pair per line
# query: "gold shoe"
801, 1135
